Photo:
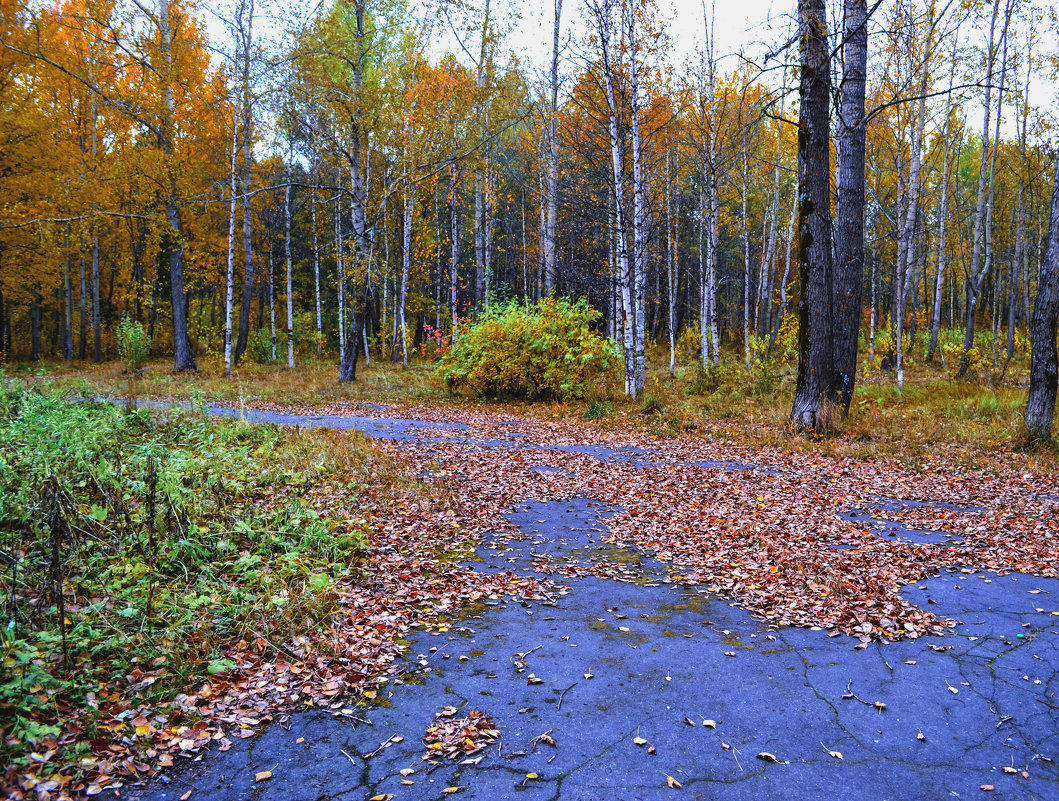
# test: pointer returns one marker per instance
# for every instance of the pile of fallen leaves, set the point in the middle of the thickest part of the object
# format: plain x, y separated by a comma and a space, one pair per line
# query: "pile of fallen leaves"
458, 738
787, 536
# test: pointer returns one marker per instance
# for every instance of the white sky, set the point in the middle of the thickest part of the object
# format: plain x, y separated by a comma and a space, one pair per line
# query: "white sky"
751, 26
745, 24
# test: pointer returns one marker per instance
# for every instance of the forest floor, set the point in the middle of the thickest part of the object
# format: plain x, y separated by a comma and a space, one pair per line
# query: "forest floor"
973, 421
679, 603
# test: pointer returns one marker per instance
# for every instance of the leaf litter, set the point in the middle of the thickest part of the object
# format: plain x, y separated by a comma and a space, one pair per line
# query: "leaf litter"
774, 541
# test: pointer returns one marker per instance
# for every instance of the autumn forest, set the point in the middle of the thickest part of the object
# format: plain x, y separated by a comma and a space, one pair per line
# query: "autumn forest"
706, 354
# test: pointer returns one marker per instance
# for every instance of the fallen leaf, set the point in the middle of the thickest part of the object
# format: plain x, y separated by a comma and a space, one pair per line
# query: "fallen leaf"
765, 755
450, 790
531, 775
671, 782
987, 787
709, 724
639, 740
263, 775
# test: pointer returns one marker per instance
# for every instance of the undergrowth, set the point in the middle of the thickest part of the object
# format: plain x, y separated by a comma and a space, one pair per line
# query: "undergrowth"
133, 542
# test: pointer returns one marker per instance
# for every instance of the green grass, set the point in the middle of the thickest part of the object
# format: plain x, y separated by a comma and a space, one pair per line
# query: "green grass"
134, 540
979, 417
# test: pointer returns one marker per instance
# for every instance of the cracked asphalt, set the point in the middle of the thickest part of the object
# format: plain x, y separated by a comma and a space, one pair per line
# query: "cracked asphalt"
704, 684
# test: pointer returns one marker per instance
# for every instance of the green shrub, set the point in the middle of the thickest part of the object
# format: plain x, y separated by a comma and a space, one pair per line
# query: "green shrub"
134, 346
545, 351
259, 345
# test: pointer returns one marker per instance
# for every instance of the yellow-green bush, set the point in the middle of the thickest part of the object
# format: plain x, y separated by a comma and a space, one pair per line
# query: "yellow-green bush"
545, 351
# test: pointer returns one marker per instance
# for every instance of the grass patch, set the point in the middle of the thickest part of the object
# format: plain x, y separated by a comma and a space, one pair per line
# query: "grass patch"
597, 410
139, 544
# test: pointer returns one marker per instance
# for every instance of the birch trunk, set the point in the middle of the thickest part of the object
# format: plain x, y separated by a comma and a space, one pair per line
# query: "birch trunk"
976, 273
316, 271
229, 274
639, 209
290, 287
245, 36
553, 161
347, 369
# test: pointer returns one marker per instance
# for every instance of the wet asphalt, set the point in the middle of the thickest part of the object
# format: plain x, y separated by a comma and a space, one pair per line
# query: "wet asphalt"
646, 685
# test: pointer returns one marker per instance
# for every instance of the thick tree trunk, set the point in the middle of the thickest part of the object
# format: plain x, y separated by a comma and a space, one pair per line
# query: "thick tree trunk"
1044, 360
849, 229
814, 398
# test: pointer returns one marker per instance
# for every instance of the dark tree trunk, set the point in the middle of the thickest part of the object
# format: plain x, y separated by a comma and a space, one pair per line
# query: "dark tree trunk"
814, 396
1044, 361
849, 231
34, 325
182, 358
82, 348
68, 328
5, 341
97, 333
